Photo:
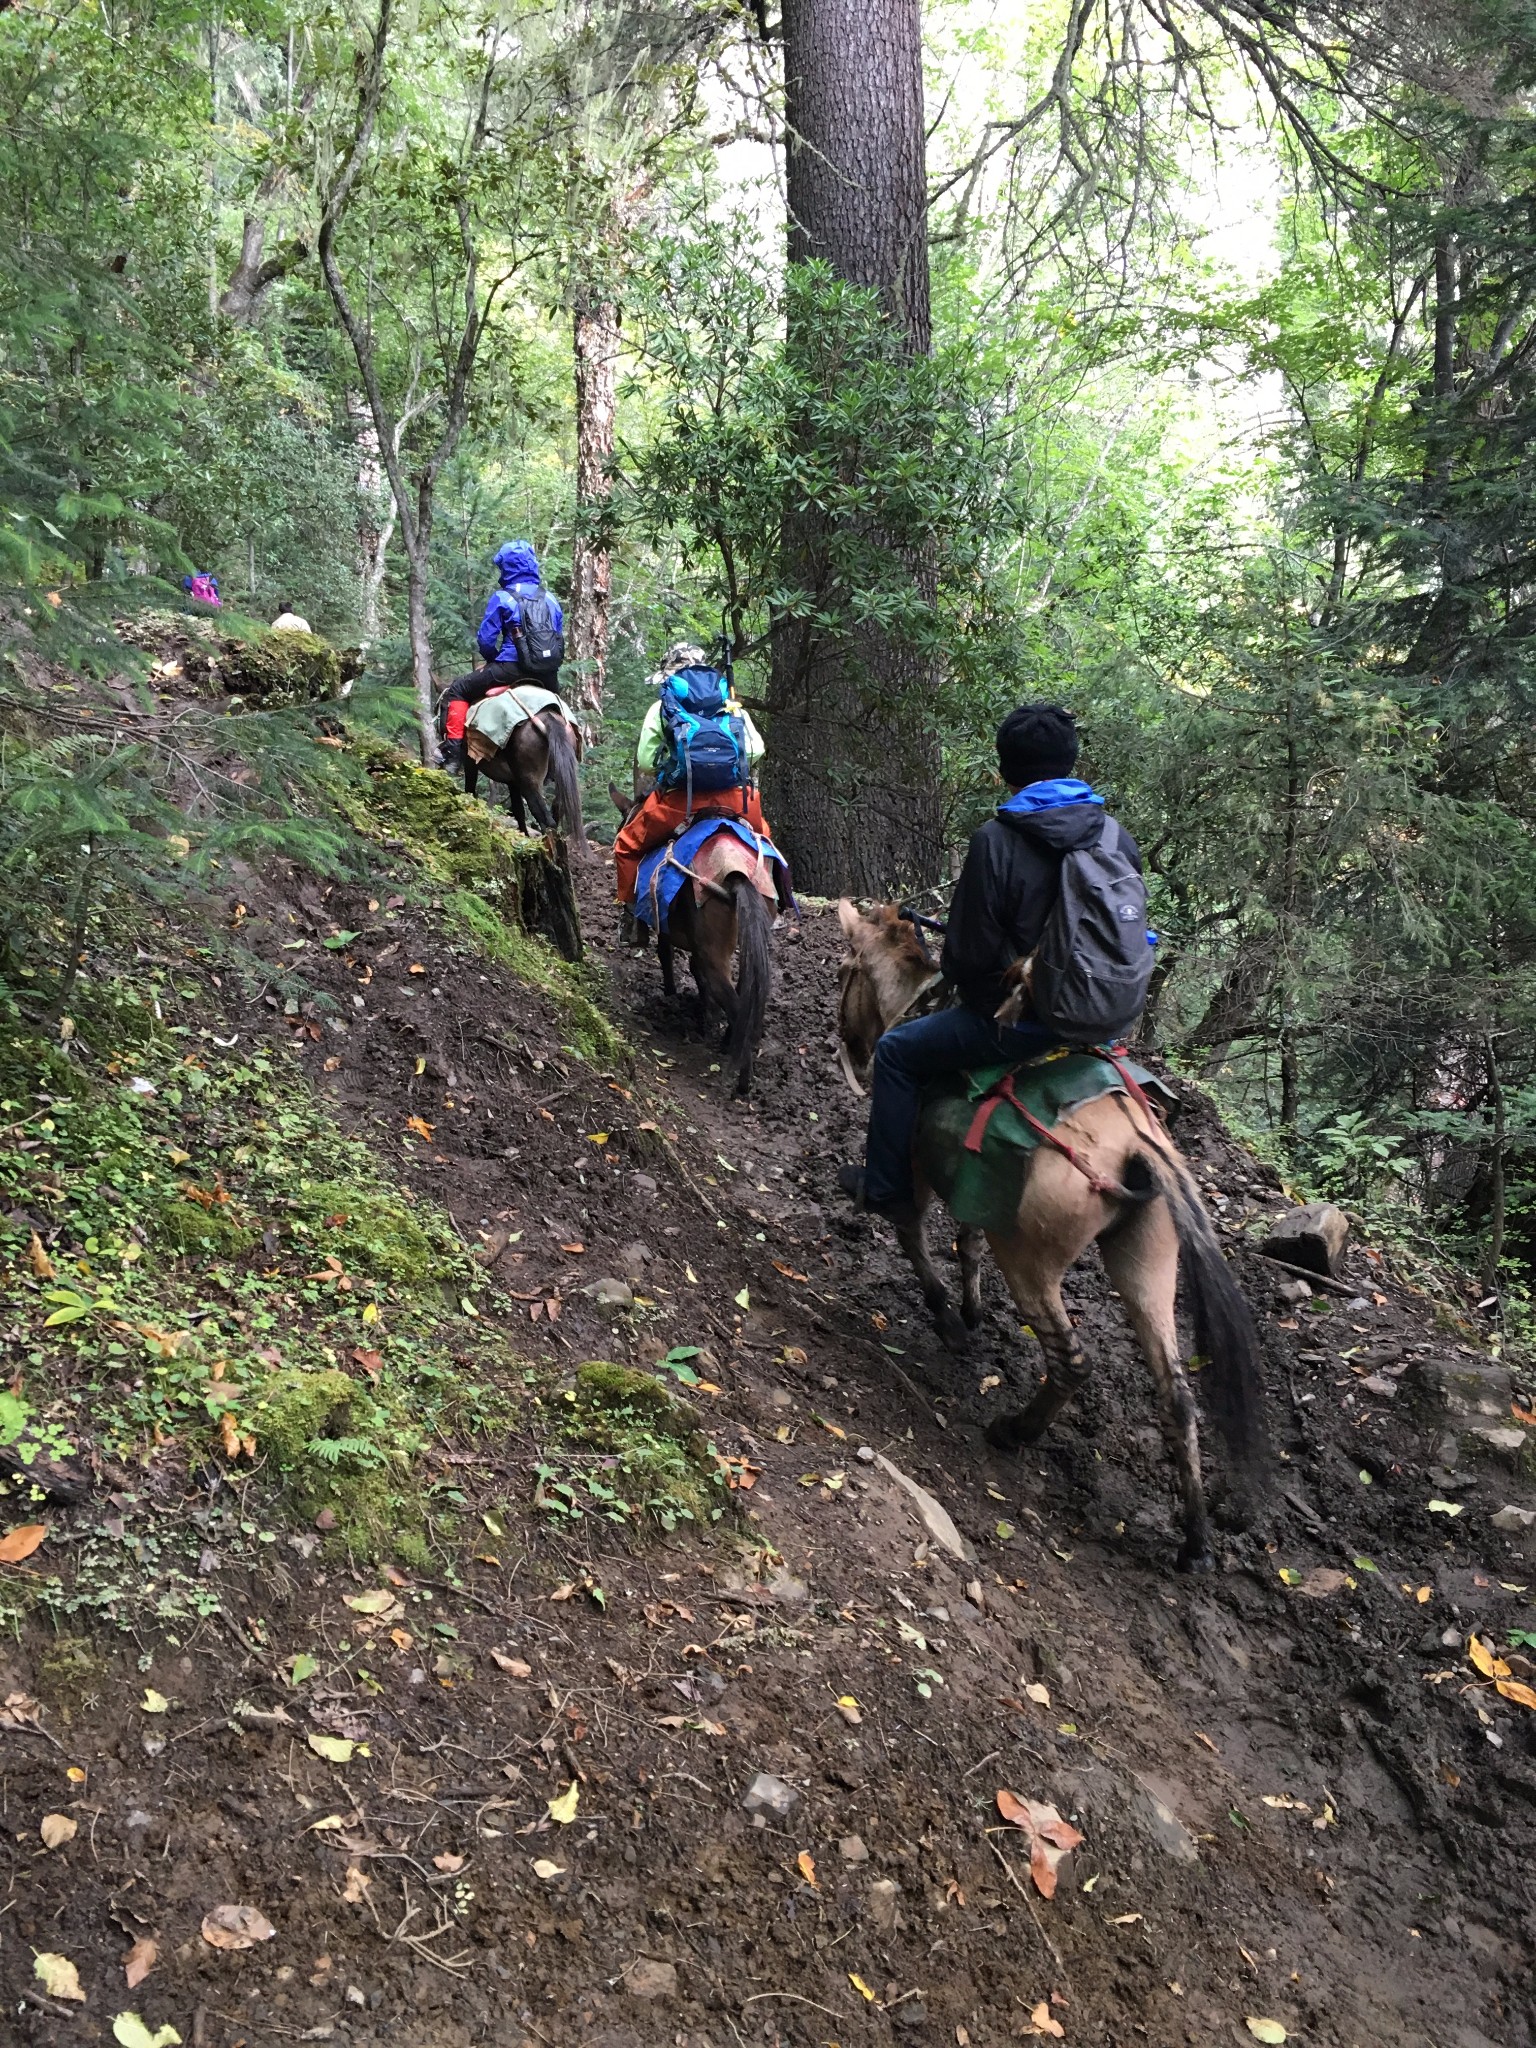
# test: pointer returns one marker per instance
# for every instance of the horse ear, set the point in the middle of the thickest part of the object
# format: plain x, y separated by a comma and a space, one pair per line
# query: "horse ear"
855, 927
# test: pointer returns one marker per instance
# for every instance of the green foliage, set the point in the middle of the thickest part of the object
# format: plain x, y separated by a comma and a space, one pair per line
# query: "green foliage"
626, 1449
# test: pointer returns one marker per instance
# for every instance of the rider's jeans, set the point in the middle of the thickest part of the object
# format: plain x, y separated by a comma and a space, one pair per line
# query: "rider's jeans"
906, 1059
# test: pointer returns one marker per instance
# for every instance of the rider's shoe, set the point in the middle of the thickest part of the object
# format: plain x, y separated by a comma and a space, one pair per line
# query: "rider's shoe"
851, 1180
631, 931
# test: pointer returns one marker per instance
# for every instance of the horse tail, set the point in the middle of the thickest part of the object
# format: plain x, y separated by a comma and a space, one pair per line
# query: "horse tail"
562, 771
1226, 1336
754, 975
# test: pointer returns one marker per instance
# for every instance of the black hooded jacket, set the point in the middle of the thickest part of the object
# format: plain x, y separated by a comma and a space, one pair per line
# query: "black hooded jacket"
1006, 891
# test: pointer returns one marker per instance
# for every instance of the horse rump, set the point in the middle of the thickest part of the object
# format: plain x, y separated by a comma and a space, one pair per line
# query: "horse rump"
563, 773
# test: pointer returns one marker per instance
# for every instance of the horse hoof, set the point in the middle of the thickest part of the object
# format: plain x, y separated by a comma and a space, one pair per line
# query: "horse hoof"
953, 1334
1196, 1562
1007, 1433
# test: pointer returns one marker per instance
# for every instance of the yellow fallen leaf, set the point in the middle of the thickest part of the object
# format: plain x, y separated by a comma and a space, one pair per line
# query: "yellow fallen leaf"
805, 1863
1512, 1689
57, 1829
356, 1885
563, 1806
419, 1125
334, 1748
861, 1987
38, 1259
1269, 2031
154, 1702
1043, 2021
58, 1977
1039, 1694
849, 1708
1485, 1661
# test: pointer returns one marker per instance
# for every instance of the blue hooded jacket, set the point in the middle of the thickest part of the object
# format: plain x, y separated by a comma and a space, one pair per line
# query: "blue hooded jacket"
517, 566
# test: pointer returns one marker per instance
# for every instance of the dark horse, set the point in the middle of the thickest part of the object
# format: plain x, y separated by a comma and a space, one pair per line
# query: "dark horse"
722, 913
1125, 1187
541, 749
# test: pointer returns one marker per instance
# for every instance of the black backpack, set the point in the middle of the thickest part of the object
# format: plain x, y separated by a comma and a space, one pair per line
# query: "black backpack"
540, 642
1088, 983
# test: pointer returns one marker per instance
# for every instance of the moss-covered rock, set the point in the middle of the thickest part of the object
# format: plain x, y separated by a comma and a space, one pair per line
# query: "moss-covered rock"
655, 1456
181, 1227
227, 656
373, 1231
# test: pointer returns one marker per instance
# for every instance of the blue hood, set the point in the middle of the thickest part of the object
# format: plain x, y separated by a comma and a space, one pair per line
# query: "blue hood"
1048, 796
516, 563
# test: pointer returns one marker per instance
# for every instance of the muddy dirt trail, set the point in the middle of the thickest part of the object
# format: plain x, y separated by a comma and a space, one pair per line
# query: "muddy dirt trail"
1300, 1806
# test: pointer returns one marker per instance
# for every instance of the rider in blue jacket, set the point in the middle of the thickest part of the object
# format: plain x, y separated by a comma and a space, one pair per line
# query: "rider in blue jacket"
517, 569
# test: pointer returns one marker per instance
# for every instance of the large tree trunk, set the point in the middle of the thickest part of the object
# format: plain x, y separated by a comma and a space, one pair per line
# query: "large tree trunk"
853, 766
375, 516
597, 362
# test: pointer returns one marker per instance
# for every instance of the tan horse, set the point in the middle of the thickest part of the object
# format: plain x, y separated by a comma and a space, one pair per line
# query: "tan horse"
1132, 1194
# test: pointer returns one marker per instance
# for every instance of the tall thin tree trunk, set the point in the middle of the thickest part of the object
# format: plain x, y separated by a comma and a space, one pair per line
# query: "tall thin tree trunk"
375, 516
418, 557
853, 766
596, 334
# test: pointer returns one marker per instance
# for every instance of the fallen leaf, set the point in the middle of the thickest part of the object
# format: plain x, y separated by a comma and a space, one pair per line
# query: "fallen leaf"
448, 1861
1266, 2030
302, 1666
1485, 1661
1445, 1507
563, 1806
1512, 1689
22, 1542
1039, 1694
356, 1885
848, 1707
334, 1748
513, 1666
140, 1960
805, 1863
419, 1124
861, 1987
372, 1362
379, 1601
547, 1870
1123, 1920
57, 1829
154, 1702
38, 1259
131, 2031
58, 1977
1043, 2022
1050, 1837
237, 1926
332, 1824
744, 1299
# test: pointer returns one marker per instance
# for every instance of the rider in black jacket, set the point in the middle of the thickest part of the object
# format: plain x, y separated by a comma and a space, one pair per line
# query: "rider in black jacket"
1006, 891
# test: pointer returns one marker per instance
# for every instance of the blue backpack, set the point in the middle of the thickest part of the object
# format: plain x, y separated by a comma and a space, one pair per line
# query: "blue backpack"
709, 740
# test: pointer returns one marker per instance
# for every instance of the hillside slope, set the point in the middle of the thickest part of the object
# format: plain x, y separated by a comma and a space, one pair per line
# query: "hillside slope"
471, 1708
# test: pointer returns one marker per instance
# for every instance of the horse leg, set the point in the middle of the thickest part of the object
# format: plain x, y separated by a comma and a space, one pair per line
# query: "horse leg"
914, 1244
970, 1245
471, 773
1141, 1257
1059, 1216
713, 946
537, 805
667, 959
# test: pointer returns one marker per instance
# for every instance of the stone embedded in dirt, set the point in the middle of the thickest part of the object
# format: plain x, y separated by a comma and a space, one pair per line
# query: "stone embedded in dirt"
865, 1454
1513, 1521
910, 2013
934, 1517
643, 1183
783, 1585
612, 1296
1163, 1826
326, 1519
852, 1850
1294, 1293
1313, 1236
649, 1978
884, 1904
768, 1794
633, 1260
1377, 1384
1467, 1389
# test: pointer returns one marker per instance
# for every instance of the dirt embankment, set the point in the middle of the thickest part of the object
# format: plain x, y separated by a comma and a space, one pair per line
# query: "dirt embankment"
1299, 1803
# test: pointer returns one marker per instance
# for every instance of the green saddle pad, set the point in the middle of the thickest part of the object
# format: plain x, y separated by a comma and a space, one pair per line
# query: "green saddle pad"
983, 1189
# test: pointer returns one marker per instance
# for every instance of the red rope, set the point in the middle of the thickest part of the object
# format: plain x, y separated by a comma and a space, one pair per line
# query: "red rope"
1003, 1091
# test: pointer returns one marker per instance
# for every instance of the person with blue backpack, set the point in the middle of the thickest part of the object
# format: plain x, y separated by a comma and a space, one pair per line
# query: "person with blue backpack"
521, 640
700, 751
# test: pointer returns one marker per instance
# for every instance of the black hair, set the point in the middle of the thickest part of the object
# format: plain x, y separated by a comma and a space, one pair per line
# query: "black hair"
1036, 742
283, 606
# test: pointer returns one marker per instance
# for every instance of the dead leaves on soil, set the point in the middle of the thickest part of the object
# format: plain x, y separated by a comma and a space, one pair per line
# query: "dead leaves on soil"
1505, 1683
235, 1927
21, 1542
1049, 1836
140, 1960
57, 1829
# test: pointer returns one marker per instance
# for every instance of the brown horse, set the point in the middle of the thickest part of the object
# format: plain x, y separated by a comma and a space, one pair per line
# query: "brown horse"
722, 914
1131, 1193
541, 749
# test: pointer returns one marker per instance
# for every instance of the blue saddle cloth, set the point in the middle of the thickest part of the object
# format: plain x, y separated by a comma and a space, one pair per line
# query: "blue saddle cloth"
685, 846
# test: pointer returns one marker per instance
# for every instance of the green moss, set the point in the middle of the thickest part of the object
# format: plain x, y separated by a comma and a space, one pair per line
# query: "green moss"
229, 656
340, 1448
373, 1231
183, 1227
295, 1408
656, 1459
